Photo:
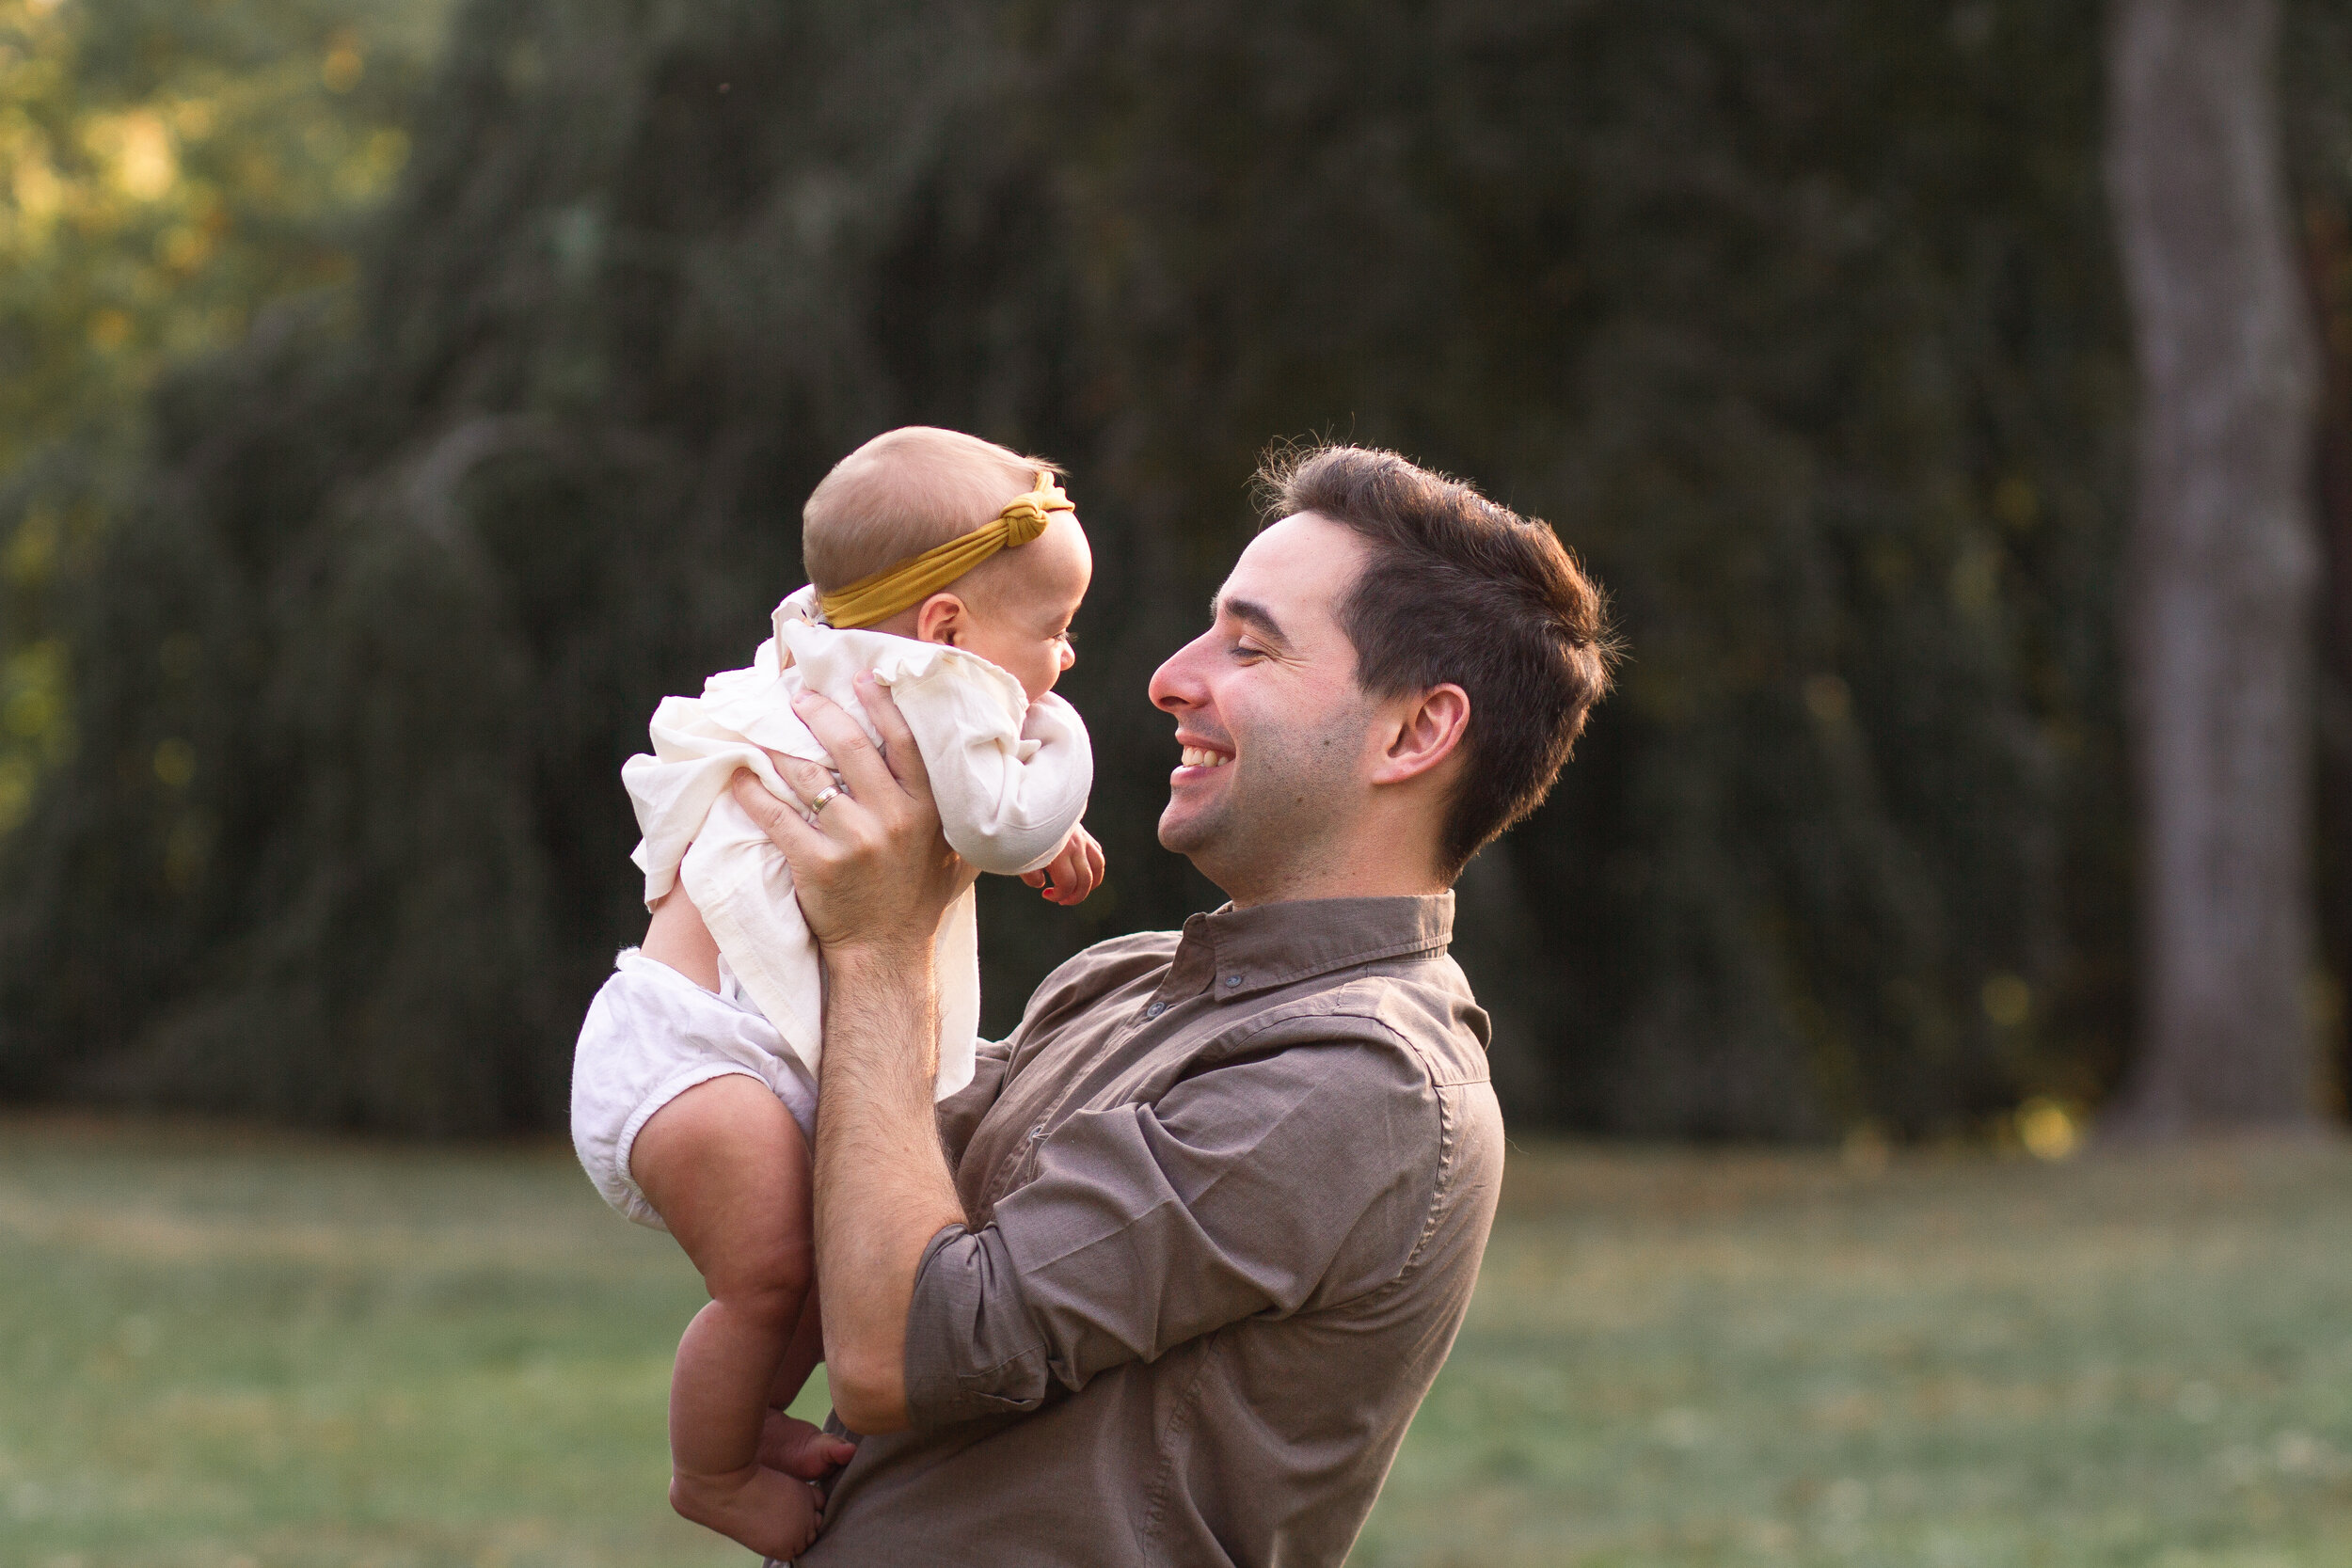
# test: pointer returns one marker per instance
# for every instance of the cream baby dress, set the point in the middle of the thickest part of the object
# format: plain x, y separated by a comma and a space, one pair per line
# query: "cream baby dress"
1009, 776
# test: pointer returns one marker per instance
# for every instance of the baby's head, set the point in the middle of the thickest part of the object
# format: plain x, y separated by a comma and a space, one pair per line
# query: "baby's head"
907, 491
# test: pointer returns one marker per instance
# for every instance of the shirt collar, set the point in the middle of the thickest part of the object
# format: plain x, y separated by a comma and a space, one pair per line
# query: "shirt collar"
1236, 951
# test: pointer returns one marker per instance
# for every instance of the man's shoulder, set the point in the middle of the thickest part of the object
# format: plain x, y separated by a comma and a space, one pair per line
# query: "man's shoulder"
1117, 959
1097, 971
1419, 1009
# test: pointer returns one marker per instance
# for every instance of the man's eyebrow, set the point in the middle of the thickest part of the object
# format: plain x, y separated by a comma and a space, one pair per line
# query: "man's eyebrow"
1251, 614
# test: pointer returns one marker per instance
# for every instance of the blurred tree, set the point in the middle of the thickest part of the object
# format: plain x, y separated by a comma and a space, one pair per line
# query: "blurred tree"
2223, 565
1796, 317
2315, 59
166, 170
366, 643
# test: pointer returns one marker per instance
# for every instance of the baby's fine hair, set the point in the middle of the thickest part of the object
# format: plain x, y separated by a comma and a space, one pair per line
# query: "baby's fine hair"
902, 493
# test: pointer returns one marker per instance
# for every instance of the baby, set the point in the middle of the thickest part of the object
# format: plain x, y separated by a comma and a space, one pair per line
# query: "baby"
949, 568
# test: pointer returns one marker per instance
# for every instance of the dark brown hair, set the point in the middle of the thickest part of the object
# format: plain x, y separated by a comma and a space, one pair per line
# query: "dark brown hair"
1459, 589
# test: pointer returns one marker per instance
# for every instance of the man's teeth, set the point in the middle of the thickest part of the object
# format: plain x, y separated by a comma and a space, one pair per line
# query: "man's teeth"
1196, 757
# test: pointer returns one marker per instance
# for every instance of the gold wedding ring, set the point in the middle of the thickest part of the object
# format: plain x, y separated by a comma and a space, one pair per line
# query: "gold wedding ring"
825, 797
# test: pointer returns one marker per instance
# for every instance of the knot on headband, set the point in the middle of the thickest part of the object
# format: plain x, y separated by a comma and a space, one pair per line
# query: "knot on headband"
917, 577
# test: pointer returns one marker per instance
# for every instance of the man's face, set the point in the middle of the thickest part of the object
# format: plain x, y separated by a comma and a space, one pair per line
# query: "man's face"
1277, 738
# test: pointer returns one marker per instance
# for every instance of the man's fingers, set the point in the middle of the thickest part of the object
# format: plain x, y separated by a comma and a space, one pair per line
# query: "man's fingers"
864, 769
904, 756
860, 766
782, 823
808, 779
813, 1463
813, 1456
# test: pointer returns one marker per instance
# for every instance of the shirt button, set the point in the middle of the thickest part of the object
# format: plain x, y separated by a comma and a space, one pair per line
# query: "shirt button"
1155, 1010
1231, 980
1038, 1132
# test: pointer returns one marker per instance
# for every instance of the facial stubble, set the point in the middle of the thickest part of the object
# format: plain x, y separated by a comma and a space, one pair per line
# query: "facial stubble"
1282, 810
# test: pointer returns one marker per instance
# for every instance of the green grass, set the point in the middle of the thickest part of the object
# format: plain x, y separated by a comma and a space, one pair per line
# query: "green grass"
221, 1350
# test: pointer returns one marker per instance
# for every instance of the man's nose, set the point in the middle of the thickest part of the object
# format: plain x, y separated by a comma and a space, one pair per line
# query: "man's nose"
1176, 684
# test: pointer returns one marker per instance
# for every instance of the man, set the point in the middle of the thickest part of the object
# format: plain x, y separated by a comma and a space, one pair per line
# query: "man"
1166, 1283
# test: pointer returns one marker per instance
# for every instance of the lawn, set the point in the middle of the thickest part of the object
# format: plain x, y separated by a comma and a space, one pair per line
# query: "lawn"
260, 1351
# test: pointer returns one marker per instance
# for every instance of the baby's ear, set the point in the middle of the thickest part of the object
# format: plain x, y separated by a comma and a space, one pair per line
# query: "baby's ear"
940, 619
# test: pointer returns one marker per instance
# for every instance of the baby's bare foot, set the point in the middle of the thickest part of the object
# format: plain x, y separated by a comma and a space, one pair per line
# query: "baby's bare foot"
764, 1510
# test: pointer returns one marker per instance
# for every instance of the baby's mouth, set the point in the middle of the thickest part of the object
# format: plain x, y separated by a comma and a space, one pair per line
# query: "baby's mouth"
1196, 756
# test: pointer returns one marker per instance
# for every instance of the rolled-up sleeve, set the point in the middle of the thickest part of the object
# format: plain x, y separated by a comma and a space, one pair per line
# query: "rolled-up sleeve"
1235, 1195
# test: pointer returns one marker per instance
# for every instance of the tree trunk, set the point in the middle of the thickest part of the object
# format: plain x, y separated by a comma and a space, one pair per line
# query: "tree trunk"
2221, 570
2328, 266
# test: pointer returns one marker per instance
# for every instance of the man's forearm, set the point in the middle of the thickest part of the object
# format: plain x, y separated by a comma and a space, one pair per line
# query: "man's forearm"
882, 1186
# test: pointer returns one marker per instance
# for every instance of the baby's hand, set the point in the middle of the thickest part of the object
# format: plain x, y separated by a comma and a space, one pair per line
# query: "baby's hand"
1076, 872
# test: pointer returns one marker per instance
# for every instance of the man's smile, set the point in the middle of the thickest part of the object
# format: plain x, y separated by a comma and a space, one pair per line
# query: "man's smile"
1201, 757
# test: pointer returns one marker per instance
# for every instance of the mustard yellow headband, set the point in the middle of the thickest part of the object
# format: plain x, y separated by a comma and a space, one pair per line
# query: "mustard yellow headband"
917, 577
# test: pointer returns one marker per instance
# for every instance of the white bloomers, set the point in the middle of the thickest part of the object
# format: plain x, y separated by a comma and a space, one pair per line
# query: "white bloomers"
651, 1034
1009, 778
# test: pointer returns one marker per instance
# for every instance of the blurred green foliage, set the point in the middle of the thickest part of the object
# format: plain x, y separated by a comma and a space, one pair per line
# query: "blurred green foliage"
1797, 319
170, 167
166, 170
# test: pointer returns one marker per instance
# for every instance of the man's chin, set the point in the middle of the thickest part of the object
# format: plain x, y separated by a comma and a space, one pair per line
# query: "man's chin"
1186, 832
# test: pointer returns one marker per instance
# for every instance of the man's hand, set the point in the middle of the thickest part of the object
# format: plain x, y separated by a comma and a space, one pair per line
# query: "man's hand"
872, 871
800, 1450
1074, 872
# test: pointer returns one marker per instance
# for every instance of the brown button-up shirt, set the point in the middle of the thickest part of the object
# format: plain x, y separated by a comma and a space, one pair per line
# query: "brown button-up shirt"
1227, 1191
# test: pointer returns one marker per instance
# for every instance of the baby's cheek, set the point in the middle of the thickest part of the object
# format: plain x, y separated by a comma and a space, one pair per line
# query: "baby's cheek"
1042, 671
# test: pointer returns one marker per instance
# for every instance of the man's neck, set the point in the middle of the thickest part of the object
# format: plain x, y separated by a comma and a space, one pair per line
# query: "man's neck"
1361, 875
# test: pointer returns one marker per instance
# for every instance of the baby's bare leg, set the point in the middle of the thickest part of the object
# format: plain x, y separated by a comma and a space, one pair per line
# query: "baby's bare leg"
676, 936
727, 1169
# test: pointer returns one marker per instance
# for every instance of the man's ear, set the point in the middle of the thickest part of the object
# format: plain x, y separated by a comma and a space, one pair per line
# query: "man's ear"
941, 618
1429, 729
